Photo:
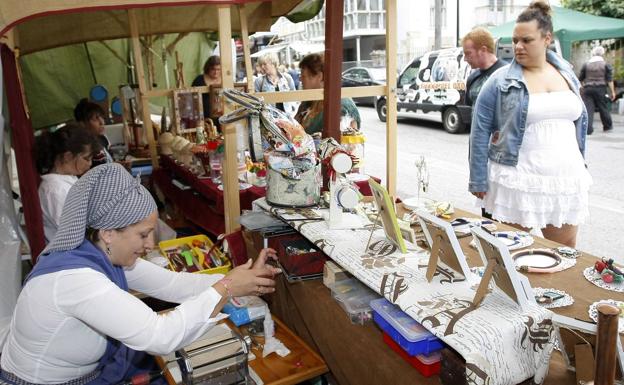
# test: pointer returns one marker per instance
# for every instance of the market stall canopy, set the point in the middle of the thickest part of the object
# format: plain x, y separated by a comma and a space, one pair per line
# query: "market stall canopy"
570, 26
44, 24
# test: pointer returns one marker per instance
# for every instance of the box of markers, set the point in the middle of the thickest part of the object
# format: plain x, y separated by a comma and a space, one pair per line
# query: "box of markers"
195, 254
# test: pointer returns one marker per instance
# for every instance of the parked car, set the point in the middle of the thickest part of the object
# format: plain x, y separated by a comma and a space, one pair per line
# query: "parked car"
435, 81
363, 76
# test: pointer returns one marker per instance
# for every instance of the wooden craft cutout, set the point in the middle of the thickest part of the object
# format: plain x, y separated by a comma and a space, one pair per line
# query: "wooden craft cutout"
444, 247
500, 267
388, 215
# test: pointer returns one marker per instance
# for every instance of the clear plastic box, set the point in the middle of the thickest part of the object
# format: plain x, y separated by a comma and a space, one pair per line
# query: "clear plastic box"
355, 299
403, 329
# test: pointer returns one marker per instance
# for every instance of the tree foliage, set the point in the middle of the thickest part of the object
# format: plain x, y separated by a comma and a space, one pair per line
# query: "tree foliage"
608, 8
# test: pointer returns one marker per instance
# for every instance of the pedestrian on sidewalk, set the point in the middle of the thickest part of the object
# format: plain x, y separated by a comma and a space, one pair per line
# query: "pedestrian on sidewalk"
527, 140
597, 79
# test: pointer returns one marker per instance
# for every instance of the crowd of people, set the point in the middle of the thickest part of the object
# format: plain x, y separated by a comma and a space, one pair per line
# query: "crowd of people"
75, 320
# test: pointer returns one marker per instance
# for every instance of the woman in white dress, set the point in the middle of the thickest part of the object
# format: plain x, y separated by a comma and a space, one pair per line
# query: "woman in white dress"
61, 157
528, 137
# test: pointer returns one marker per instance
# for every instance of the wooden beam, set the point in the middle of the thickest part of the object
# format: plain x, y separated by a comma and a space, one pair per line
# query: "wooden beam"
242, 11
318, 94
333, 68
391, 100
138, 63
229, 171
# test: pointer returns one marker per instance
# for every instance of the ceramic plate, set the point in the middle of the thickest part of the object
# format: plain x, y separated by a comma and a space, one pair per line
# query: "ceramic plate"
413, 204
593, 311
592, 276
567, 299
241, 186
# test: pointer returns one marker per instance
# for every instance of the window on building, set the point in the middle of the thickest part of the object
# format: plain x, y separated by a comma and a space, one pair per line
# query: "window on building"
442, 13
362, 20
492, 5
374, 5
375, 20
500, 4
361, 5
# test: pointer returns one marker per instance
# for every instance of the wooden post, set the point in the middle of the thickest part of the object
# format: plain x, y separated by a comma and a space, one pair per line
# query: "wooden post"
231, 197
334, 10
391, 101
242, 14
138, 67
606, 359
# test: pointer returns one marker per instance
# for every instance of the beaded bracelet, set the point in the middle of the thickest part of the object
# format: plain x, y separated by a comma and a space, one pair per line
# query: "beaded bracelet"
225, 282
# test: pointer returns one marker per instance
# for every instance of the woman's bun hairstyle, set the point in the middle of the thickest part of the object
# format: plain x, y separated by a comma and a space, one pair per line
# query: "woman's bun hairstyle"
539, 11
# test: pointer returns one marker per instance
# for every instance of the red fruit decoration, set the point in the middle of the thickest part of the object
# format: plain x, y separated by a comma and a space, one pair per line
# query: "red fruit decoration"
600, 266
607, 276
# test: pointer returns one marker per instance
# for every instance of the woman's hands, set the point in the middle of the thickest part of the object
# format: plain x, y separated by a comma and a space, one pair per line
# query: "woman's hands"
251, 279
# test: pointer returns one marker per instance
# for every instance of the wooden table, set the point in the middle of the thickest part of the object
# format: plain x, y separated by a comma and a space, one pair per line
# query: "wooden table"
354, 353
570, 280
301, 364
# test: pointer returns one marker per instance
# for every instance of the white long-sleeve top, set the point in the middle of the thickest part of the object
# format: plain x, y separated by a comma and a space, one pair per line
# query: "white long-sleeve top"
53, 190
61, 320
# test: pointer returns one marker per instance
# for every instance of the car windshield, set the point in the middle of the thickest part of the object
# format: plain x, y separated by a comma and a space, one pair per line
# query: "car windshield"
378, 74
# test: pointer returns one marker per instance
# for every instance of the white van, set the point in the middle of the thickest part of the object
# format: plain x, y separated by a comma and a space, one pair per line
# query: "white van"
435, 81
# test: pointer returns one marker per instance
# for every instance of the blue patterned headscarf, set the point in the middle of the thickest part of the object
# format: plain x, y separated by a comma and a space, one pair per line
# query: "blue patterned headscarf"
106, 197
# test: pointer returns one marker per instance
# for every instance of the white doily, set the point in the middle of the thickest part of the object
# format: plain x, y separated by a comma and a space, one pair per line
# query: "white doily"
567, 299
594, 277
593, 311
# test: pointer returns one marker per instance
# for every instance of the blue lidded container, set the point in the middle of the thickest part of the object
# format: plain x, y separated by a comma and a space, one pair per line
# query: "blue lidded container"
403, 329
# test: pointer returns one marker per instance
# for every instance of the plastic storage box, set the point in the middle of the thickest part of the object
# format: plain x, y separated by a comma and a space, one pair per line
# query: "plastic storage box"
196, 248
355, 299
404, 330
245, 309
426, 365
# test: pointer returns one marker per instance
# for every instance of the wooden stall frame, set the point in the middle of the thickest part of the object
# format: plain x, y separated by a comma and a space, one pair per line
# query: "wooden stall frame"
230, 174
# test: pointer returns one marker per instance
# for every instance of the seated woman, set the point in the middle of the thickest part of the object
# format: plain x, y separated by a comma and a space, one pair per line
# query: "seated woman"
211, 76
92, 116
75, 320
61, 157
310, 114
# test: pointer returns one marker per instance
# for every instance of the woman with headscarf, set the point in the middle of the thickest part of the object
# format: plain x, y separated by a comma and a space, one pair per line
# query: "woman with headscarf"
75, 321
528, 134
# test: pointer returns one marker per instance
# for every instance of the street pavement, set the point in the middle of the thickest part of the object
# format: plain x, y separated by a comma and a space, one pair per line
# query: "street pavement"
447, 159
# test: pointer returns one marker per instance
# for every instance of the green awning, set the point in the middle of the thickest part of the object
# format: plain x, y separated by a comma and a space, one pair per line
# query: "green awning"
570, 26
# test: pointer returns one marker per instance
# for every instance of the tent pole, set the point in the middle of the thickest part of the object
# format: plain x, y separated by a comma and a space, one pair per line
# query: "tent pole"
391, 101
246, 53
229, 169
333, 68
138, 60
86, 47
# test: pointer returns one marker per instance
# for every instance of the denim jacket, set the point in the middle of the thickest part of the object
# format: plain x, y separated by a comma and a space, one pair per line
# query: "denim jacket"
499, 119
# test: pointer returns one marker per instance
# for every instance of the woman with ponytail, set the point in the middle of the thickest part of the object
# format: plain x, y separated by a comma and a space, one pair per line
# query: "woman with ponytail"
61, 157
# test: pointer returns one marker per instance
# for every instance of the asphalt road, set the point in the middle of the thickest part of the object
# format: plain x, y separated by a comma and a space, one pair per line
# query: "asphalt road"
447, 159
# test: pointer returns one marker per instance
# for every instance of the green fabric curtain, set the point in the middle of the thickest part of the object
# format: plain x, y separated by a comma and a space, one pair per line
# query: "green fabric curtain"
570, 26
56, 79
